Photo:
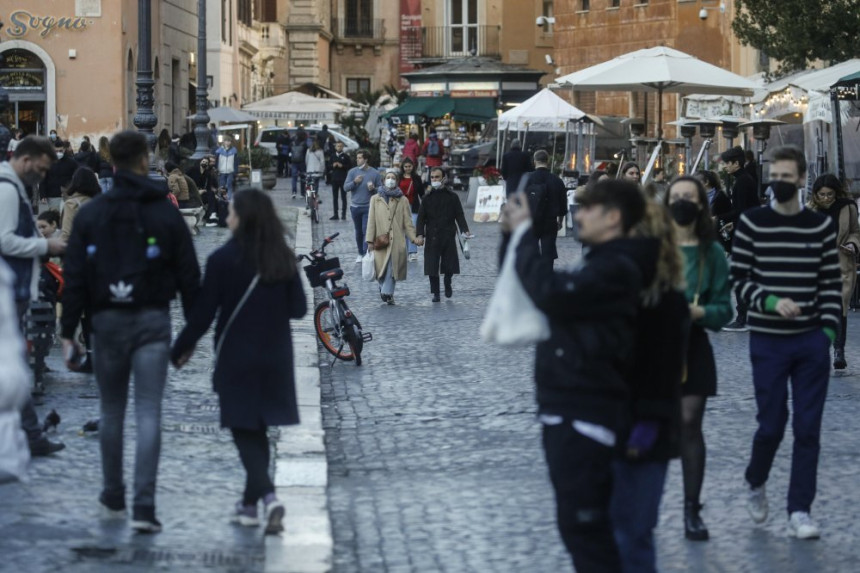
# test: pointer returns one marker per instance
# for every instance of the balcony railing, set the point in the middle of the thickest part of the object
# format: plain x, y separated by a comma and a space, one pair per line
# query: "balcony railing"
359, 29
272, 37
448, 42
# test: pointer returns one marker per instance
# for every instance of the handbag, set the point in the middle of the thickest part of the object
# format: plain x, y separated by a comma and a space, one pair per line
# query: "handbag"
14, 451
512, 319
382, 241
230, 320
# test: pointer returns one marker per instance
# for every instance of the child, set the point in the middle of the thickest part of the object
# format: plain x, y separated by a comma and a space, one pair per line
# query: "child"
48, 223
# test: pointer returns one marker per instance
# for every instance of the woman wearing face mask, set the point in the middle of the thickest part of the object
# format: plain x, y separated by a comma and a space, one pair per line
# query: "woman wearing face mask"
388, 225
829, 198
706, 274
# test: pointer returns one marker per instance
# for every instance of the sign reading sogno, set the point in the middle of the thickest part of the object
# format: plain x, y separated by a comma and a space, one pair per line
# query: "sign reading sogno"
22, 22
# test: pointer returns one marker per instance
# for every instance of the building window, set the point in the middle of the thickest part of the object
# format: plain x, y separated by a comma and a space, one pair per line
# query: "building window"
244, 12
548, 10
463, 24
614, 3
355, 86
585, 5
359, 19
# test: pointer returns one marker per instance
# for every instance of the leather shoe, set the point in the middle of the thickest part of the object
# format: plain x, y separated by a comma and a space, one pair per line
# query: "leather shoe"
45, 447
436, 297
335, 218
694, 527
448, 291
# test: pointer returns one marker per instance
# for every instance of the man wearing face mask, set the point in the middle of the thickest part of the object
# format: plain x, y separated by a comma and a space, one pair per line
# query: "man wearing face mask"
786, 268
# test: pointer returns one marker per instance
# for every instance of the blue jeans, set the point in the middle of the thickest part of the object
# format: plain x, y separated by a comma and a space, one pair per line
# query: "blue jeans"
387, 282
410, 246
805, 358
359, 220
126, 342
296, 169
636, 492
226, 180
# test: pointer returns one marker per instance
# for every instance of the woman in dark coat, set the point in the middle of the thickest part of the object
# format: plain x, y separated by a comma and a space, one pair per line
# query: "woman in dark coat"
252, 285
439, 217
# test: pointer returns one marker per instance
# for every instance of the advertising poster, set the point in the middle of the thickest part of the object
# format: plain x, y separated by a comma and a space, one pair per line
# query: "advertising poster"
410, 36
489, 203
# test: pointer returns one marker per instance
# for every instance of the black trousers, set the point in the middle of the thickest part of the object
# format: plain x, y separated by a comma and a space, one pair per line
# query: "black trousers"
337, 191
581, 473
253, 446
283, 165
434, 283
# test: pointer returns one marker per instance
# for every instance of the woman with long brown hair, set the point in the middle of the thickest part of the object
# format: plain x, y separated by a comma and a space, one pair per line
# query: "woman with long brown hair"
252, 286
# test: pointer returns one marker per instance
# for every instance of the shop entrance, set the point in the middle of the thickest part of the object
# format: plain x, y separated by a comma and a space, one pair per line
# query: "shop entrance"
23, 74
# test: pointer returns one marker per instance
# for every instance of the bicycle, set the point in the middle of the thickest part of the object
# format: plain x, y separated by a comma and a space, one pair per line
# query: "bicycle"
312, 201
336, 325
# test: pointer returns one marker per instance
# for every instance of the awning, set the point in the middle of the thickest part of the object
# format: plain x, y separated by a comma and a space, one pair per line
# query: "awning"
480, 109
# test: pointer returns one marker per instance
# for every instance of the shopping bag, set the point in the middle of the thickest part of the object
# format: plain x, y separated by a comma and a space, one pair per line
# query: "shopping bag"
512, 319
368, 267
14, 451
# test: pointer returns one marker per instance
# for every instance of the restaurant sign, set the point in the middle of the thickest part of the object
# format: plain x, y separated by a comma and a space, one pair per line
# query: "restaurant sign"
21, 23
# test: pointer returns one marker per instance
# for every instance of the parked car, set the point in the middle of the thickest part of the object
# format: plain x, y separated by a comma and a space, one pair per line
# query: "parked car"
268, 136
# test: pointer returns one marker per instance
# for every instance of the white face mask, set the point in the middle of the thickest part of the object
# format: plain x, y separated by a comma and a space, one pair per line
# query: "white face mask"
435, 184
390, 183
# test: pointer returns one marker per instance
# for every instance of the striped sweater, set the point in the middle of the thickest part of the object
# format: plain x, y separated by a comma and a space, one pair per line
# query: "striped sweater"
777, 256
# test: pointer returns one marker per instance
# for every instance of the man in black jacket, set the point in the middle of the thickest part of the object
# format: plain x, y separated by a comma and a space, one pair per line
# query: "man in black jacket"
341, 163
744, 197
515, 164
129, 253
555, 208
58, 177
581, 371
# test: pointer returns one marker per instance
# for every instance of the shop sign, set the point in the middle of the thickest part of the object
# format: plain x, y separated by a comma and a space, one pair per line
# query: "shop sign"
475, 93
426, 94
22, 22
22, 80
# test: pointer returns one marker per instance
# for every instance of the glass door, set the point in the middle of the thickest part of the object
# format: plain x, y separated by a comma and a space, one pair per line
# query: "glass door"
463, 28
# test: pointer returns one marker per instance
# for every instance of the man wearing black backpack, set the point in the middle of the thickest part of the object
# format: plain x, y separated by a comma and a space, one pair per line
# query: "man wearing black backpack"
129, 253
547, 197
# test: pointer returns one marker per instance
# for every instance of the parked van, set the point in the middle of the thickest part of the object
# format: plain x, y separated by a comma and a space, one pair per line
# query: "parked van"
269, 135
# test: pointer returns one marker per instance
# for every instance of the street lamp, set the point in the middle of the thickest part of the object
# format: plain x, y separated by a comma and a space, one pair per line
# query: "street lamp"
201, 118
145, 119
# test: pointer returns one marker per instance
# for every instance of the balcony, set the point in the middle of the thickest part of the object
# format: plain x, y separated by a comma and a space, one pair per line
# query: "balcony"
358, 31
437, 44
273, 41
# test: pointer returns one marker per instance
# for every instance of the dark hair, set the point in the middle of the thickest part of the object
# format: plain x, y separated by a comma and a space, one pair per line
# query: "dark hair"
516, 144
735, 154
405, 161
790, 153
363, 152
704, 229
711, 179
541, 156
35, 147
170, 166
749, 155
85, 146
617, 194
163, 139
127, 148
830, 181
595, 177
85, 182
260, 235
51, 216
628, 165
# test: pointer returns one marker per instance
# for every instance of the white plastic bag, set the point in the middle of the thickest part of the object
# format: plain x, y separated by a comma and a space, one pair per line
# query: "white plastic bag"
14, 451
368, 267
512, 319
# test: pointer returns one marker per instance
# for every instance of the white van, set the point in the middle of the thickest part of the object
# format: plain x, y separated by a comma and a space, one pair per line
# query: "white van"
269, 135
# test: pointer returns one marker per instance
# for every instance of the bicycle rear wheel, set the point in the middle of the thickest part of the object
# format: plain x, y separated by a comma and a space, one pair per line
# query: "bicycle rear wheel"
328, 335
352, 334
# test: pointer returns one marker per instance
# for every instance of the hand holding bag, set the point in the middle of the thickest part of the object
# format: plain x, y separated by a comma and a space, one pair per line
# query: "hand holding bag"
512, 319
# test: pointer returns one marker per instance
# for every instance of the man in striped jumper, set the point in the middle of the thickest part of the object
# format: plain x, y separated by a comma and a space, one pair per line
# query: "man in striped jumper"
785, 267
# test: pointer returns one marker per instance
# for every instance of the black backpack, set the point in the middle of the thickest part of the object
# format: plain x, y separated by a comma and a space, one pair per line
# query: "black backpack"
124, 261
538, 197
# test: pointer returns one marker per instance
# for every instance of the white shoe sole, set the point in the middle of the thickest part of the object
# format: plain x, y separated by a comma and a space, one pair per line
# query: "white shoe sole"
792, 532
106, 513
245, 521
145, 527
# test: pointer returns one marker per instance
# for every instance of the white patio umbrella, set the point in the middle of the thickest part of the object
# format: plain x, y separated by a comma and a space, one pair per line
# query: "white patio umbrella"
226, 114
659, 70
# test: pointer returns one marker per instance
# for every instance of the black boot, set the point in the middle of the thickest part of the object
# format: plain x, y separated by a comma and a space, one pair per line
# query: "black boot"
448, 290
839, 362
434, 287
694, 527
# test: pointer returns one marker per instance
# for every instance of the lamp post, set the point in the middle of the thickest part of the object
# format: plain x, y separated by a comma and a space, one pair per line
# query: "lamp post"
201, 118
145, 119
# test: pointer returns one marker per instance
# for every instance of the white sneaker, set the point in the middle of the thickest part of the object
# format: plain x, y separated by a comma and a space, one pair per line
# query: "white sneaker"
800, 525
757, 504
358, 259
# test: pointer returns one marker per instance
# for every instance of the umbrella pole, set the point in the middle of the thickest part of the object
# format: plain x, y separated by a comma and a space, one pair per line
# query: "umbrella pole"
552, 158
659, 116
836, 111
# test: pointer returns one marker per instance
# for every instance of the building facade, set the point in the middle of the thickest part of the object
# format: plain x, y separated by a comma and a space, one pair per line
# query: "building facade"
71, 66
588, 32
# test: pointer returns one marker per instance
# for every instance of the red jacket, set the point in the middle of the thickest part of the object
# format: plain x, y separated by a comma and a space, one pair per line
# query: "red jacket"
411, 150
430, 160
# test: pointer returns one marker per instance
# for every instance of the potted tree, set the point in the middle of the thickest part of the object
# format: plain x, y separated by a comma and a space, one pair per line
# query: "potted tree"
261, 159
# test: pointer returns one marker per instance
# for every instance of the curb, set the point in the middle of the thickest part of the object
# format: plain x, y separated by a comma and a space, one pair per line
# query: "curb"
301, 467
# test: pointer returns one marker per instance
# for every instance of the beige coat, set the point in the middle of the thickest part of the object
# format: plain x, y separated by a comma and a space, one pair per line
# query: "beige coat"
397, 216
70, 209
177, 184
848, 232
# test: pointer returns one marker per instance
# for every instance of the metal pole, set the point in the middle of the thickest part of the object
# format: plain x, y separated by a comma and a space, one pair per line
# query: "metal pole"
145, 119
201, 118
836, 111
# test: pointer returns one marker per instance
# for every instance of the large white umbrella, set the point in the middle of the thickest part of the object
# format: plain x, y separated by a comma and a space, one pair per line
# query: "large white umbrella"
297, 106
227, 114
544, 111
659, 70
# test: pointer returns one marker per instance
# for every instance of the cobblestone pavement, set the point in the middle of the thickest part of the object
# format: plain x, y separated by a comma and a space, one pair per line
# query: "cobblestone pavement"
50, 523
435, 461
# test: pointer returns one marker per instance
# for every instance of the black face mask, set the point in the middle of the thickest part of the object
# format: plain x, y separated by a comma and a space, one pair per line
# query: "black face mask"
783, 191
684, 212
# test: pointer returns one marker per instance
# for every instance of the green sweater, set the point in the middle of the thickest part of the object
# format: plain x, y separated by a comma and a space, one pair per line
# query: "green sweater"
714, 292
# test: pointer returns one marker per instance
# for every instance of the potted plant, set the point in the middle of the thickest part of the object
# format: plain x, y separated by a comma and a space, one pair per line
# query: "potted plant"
261, 159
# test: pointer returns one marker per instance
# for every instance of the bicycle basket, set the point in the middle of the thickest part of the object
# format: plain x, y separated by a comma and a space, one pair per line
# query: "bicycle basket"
313, 271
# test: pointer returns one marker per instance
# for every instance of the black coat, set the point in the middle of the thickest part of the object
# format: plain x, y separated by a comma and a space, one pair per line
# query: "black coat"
557, 200
515, 163
58, 176
254, 375
338, 174
582, 370
440, 215
744, 196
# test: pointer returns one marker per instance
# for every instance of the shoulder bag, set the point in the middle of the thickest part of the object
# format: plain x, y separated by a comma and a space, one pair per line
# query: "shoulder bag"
382, 241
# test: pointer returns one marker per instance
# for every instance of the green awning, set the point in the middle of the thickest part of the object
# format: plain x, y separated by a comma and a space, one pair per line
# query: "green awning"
481, 109
416, 107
